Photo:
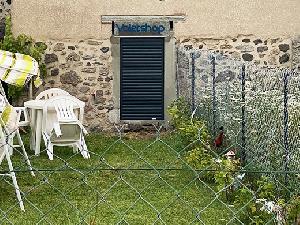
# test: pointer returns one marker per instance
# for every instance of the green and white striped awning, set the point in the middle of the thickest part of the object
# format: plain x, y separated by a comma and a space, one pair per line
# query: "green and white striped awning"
17, 69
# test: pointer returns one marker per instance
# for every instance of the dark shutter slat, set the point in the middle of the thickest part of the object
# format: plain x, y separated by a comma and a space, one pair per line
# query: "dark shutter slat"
142, 78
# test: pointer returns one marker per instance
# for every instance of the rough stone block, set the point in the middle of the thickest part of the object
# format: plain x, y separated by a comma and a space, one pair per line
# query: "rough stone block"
89, 70
262, 49
104, 49
70, 77
51, 58
284, 58
284, 47
93, 42
54, 72
245, 48
247, 57
59, 47
73, 57
84, 89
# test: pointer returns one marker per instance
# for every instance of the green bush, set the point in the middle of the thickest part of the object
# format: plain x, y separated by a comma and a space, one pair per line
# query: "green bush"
200, 155
293, 210
191, 128
24, 45
253, 199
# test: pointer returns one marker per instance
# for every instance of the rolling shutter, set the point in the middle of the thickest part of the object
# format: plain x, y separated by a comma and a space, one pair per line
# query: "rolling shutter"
142, 79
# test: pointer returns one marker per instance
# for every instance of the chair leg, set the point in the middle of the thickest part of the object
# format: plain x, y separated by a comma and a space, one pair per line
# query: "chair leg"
83, 148
14, 179
20, 142
10, 145
50, 151
75, 148
49, 145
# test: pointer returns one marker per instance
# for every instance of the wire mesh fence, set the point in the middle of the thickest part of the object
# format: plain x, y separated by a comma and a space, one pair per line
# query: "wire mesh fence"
178, 175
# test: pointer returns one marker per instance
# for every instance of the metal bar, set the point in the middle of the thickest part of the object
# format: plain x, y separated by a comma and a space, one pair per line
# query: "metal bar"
177, 67
243, 124
116, 18
285, 124
113, 27
67, 169
140, 36
193, 80
214, 101
30, 93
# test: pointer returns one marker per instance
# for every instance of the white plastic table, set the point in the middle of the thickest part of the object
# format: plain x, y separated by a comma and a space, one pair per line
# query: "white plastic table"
36, 119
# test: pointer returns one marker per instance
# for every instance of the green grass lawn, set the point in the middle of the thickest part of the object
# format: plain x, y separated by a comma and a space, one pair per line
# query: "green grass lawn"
132, 180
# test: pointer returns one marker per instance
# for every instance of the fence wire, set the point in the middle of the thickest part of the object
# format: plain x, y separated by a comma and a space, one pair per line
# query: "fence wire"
146, 177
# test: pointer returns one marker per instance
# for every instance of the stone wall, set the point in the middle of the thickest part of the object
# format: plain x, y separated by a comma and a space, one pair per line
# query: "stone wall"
84, 70
272, 51
5, 6
296, 53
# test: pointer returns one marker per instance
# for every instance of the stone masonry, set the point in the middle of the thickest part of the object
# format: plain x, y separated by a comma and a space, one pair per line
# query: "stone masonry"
296, 53
5, 6
84, 70
260, 51
270, 52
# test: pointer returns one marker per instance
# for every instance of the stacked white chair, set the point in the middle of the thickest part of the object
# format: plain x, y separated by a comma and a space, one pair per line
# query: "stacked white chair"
50, 93
63, 128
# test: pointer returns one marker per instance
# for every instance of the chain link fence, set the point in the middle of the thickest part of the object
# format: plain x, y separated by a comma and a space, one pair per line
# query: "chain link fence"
146, 177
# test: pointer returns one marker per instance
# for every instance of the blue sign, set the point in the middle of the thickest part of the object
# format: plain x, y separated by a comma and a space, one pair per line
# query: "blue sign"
127, 28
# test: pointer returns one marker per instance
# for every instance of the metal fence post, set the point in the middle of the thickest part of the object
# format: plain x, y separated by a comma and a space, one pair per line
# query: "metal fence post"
243, 125
193, 80
214, 103
285, 125
177, 68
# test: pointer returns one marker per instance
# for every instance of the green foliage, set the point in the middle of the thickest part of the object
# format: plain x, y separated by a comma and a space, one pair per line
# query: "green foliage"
249, 201
201, 159
190, 128
293, 210
251, 196
24, 45
225, 175
200, 156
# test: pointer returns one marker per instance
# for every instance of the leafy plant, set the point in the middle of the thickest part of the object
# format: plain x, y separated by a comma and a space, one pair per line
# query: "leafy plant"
201, 159
257, 202
200, 156
25, 45
191, 128
293, 211
225, 176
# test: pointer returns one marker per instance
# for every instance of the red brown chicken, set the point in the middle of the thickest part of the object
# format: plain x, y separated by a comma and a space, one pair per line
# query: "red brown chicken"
220, 138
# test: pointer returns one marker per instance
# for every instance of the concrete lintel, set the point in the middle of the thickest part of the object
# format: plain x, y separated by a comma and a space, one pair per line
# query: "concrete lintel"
116, 18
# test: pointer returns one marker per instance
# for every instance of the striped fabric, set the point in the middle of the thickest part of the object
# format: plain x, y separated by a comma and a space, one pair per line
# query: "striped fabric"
17, 69
9, 118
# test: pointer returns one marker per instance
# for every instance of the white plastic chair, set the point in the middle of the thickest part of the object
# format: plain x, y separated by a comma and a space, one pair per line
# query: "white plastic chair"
21, 122
4, 154
20, 110
6, 145
15, 132
63, 128
50, 93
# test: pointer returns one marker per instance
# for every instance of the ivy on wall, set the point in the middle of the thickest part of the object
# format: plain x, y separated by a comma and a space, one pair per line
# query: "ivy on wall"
25, 45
